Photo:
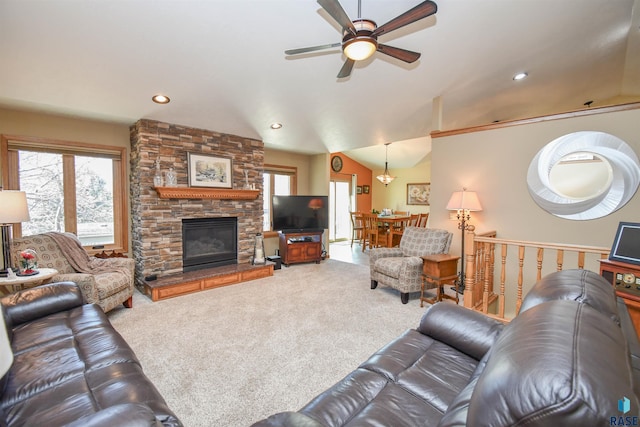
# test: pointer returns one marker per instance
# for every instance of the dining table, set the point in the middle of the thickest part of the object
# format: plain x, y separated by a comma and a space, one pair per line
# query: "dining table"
393, 222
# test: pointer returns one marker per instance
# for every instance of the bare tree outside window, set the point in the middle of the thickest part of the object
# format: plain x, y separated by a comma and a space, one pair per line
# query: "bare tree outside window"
41, 176
94, 200
41, 179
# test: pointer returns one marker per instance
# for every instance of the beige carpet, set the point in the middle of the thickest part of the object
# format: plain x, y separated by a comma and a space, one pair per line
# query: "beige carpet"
234, 355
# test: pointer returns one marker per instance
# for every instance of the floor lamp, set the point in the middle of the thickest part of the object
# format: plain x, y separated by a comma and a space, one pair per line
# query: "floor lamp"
463, 202
13, 209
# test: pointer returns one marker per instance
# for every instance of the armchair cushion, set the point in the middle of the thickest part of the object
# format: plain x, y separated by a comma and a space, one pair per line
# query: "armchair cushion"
417, 241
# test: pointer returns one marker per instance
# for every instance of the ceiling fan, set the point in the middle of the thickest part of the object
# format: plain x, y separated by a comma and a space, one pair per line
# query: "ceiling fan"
360, 37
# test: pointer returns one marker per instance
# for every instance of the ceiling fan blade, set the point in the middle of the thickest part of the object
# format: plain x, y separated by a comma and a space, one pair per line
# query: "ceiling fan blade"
311, 49
336, 11
345, 71
396, 52
419, 12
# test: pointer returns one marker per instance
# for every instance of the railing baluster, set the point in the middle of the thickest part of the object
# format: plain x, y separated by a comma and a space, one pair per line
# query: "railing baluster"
486, 284
560, 259
581, 260
520, 277
540, 257
503, 276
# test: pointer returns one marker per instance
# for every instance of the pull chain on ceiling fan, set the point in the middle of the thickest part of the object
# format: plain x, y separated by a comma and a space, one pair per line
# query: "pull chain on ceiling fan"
360, 37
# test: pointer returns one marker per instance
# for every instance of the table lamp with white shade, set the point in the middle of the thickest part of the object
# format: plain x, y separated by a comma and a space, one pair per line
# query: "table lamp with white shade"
13, 209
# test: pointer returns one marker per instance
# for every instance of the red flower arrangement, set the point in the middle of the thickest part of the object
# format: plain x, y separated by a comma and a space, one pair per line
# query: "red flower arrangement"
28, 259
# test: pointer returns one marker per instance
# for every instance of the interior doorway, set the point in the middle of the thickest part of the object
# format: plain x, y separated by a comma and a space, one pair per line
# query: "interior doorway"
340, 202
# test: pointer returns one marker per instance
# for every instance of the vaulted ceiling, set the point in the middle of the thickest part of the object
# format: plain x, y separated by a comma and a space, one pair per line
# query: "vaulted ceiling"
222, 63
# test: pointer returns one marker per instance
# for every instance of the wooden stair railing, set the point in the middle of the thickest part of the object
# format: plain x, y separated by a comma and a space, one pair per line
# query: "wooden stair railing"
515, 273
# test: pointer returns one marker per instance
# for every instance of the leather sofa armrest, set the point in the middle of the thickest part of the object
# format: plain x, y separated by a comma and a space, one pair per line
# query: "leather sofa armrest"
633, 343
127, 414
288, 419
34, 303
469, 331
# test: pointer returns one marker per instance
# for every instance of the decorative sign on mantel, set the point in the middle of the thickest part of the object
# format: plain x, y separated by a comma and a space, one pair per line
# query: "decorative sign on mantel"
205, 193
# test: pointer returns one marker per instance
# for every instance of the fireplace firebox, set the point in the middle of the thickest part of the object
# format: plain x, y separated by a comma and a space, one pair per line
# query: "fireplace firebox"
209, 242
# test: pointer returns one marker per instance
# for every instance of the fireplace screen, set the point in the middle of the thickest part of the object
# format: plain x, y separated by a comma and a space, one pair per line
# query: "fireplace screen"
209, 242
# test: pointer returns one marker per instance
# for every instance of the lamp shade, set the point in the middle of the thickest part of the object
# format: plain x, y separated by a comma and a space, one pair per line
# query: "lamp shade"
6, 354
315, 204
13, 207
385, 178
464, 200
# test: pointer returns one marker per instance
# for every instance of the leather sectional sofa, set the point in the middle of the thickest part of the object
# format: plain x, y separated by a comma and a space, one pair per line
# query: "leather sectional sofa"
569, 358
70, 366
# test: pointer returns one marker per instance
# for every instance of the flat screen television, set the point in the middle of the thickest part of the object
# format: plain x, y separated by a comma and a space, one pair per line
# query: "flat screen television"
300, 213
626, 245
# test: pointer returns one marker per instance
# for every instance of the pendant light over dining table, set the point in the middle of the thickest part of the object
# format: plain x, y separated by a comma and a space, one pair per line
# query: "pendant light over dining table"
386, 178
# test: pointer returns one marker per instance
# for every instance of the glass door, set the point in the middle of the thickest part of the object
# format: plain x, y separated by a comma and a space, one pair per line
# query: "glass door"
339, 217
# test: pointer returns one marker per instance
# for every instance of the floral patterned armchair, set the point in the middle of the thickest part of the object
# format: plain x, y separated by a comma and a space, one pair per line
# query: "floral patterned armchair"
401, 268
108, 289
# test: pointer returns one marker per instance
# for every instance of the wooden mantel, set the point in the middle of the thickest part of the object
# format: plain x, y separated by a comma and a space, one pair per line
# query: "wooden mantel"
205, 193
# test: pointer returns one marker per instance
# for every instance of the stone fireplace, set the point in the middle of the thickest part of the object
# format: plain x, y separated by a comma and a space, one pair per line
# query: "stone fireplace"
157, 243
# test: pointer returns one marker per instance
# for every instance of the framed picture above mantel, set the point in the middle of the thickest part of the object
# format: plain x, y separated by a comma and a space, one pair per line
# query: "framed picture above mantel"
418, 194
209, 171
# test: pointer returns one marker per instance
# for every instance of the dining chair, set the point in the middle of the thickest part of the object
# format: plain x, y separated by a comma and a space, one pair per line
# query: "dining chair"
414, 220
423, 220
374, 235
397, 230
357, 227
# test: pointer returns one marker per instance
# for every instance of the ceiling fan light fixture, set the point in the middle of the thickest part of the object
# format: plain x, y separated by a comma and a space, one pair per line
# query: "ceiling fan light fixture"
359, 48
361, 45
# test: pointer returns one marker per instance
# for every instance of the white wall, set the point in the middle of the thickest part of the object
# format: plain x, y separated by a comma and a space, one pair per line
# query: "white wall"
494, 163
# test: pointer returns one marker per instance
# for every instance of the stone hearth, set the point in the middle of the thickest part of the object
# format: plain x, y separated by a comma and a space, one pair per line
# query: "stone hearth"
157, 222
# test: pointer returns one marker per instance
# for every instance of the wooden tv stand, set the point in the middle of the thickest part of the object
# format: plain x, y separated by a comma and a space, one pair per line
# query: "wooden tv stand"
300, 246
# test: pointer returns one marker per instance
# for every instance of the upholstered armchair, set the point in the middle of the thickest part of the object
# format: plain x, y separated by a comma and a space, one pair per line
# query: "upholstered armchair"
401, 268
106, 282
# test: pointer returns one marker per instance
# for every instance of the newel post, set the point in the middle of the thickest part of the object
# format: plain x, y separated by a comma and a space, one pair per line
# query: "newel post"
468, 257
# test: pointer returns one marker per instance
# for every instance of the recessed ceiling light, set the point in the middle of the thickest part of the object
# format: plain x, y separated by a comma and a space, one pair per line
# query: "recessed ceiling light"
520, 76
276, 125
160, 99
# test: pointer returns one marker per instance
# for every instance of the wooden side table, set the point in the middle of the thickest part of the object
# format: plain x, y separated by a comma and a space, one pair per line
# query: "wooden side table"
439, 270
8, 286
